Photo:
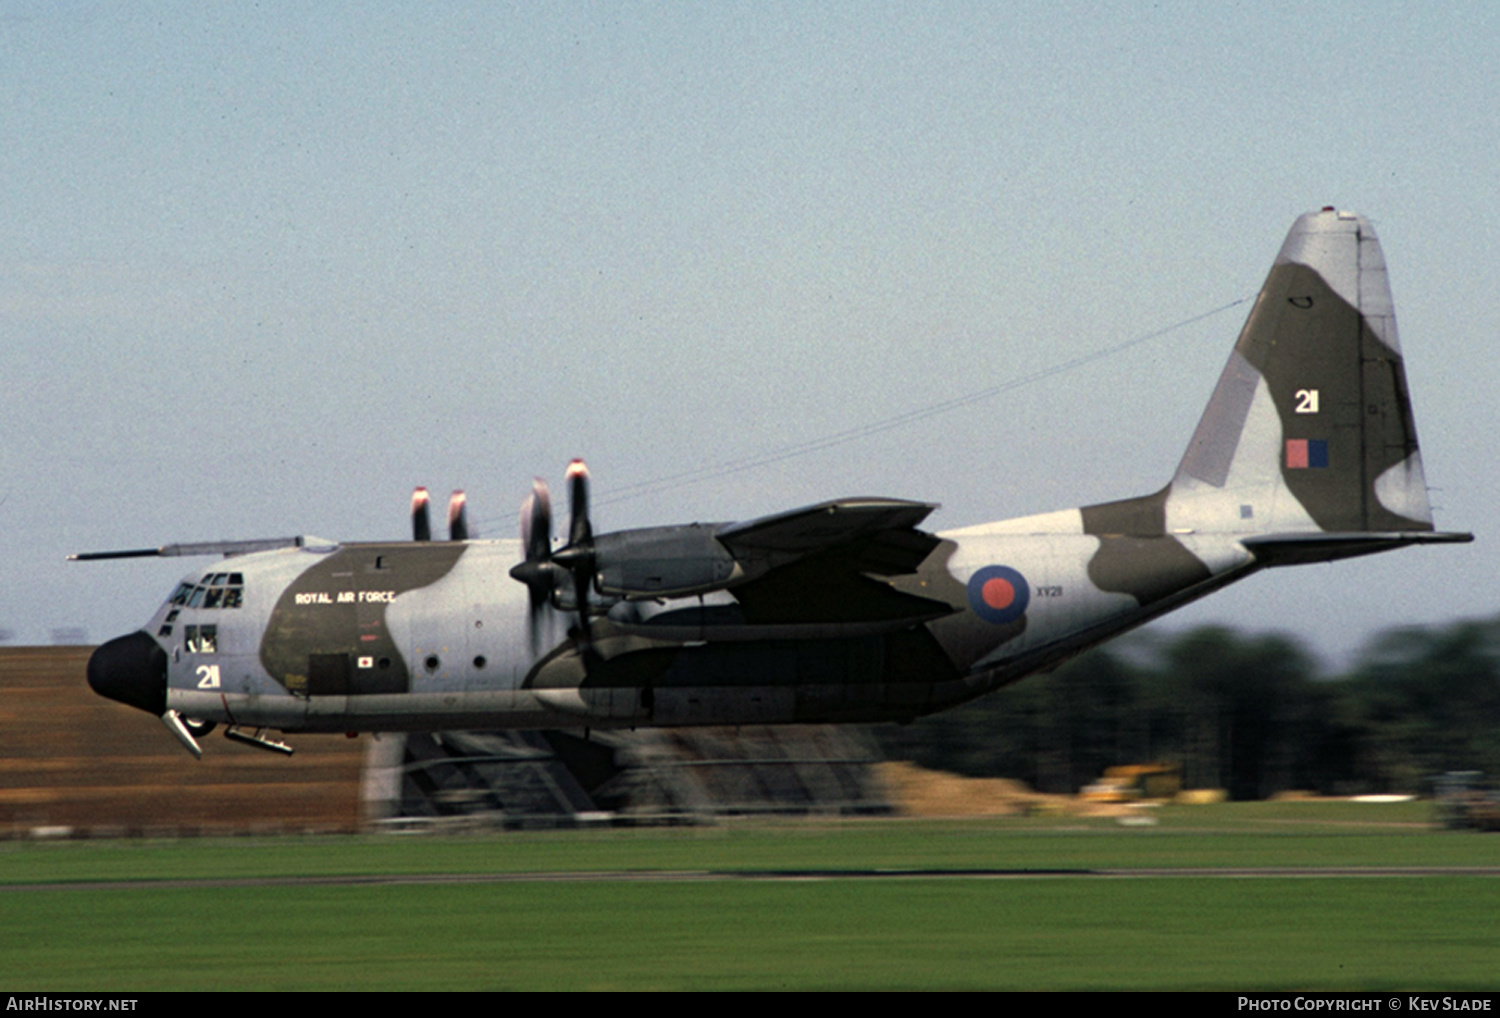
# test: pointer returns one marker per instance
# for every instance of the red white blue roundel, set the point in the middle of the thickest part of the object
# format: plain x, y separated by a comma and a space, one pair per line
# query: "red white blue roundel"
999, 594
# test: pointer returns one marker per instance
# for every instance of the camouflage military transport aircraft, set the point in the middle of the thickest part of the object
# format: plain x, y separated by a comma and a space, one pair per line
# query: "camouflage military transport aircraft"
841, 612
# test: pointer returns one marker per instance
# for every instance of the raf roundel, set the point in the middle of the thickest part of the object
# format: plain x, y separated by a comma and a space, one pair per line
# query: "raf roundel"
999, 594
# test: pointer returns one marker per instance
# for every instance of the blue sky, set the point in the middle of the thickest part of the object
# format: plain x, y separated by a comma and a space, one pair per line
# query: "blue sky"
265, 268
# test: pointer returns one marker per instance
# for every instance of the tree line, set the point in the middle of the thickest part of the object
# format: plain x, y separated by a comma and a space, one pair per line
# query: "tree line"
1250, 713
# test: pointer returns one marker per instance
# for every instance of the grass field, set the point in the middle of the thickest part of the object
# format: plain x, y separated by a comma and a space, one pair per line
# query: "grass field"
163, 923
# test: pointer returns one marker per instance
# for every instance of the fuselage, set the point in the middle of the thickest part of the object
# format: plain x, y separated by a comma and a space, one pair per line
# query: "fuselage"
433, 635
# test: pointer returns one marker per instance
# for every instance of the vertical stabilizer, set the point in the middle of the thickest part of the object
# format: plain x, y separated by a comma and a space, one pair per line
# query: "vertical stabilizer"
1310, 428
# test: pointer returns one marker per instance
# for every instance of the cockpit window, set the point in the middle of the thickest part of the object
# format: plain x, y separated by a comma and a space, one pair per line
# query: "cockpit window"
217, 590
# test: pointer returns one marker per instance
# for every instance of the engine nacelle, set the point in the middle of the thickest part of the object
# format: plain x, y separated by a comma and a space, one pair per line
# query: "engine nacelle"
663, 561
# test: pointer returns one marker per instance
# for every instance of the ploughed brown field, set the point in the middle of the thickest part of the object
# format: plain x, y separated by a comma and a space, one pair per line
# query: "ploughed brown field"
69, 758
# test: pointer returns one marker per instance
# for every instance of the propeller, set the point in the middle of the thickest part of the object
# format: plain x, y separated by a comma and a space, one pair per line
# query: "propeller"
421, 526
537, 570
458, 518
542, 567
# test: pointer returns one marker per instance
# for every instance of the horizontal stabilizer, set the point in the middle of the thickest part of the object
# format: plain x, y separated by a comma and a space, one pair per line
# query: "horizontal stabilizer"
1300, 548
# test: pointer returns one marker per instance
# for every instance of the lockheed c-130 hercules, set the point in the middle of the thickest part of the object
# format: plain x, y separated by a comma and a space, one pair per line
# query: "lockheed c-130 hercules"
845, 611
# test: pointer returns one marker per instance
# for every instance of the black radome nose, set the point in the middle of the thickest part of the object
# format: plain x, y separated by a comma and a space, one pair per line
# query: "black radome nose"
133, 670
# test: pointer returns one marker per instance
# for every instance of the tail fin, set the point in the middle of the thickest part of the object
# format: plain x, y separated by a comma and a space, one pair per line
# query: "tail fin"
1310, 429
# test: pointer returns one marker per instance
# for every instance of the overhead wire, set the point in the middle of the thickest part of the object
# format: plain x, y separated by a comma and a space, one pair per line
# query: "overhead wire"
683, 478
699, 474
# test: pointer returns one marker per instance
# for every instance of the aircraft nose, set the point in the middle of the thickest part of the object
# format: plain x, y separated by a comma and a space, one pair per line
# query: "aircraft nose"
133, 670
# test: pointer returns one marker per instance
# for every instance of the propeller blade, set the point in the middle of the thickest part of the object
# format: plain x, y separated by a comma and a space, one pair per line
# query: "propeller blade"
534, 621
580, 533
458, 517
580, 544
536, 522
421, 526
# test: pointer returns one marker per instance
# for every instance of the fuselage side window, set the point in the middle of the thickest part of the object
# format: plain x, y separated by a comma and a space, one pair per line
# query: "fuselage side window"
201, 639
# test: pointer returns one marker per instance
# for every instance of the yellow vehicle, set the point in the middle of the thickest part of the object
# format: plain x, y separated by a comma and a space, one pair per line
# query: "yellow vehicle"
1135, 782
